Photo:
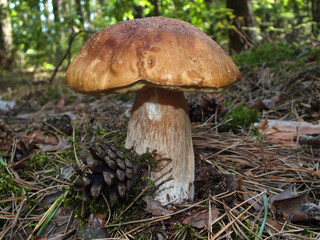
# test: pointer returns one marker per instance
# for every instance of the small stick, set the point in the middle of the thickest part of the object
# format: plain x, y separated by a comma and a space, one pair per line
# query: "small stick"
237, 218
130, 205
154, 218
145, 224
210, 218
108, 206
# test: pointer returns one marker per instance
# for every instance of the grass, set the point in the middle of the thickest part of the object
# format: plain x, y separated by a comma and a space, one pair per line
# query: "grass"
270, 54
8, 187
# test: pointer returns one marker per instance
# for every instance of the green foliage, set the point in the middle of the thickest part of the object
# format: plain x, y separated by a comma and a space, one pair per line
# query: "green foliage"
146, 159
241, 117
40, 36
41, 33
8, 187
149, 181
282, 17
38, 161
268, 54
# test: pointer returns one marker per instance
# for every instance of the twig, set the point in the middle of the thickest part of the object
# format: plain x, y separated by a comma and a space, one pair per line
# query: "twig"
71, 39
108, 206
154, 218
145, 224
239, 216
136, 199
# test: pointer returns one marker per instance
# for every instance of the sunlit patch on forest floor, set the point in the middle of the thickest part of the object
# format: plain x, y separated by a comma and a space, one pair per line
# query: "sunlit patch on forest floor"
237, 163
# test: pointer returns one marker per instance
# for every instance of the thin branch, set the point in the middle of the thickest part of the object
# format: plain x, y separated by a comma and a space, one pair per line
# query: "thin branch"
71, 39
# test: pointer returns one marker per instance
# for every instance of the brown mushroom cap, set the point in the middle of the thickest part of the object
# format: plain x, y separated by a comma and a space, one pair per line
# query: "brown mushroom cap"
151, 52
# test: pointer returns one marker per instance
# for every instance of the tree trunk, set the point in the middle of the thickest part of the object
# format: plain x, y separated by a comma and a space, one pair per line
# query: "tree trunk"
5, 36
156, 7
79, 12
88, 13
315, 9
55, 6
242, 35
46, 11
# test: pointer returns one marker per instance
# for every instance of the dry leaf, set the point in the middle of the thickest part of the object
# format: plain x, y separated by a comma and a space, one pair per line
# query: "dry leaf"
154, 207
294, 208
253, 201
201, 219
97, 220
37, 136
259, 105
46, 142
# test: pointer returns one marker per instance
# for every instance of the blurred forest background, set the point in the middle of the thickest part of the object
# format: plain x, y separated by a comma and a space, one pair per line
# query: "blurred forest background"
44, 125
39, 35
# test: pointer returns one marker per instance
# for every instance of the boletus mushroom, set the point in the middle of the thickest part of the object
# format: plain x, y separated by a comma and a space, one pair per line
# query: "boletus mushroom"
159, 58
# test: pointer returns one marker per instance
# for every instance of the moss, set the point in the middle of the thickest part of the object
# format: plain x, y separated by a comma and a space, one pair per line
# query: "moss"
241, 117
269, 54
8, 187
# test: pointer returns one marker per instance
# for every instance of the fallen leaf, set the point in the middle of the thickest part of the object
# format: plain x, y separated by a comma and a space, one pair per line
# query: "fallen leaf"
280, 196
276, 227
259, 105
62, 144
97, 220
154, 207
253, 201
201, 219
294, 207
46, 142
37, 136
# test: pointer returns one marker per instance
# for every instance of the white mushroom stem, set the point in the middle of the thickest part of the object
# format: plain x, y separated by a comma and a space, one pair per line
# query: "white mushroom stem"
159, 121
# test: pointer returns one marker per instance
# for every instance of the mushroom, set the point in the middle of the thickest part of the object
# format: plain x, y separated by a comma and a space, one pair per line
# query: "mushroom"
159, 58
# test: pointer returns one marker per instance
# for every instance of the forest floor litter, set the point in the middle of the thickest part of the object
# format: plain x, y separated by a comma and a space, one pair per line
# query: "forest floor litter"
271, 165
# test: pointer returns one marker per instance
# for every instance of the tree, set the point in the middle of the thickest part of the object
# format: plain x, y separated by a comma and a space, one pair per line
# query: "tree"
315, 8
5, 36
242, 34
55, 6
79, 12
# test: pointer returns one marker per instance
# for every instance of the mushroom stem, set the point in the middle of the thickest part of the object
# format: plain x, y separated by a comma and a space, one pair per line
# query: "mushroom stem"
160, 122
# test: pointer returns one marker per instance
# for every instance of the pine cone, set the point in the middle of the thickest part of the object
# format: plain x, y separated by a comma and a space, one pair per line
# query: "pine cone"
112, 171
6, 138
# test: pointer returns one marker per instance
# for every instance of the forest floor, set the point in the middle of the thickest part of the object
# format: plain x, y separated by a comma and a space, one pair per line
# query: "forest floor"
257, 150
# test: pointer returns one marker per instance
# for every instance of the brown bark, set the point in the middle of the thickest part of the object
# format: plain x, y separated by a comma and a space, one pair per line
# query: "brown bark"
156, 7
79, 11
240, 38
5, 36
55, 6
315, 9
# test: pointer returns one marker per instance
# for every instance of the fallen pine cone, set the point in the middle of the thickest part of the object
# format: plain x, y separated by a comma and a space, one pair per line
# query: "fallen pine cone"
112, 171
6, 138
